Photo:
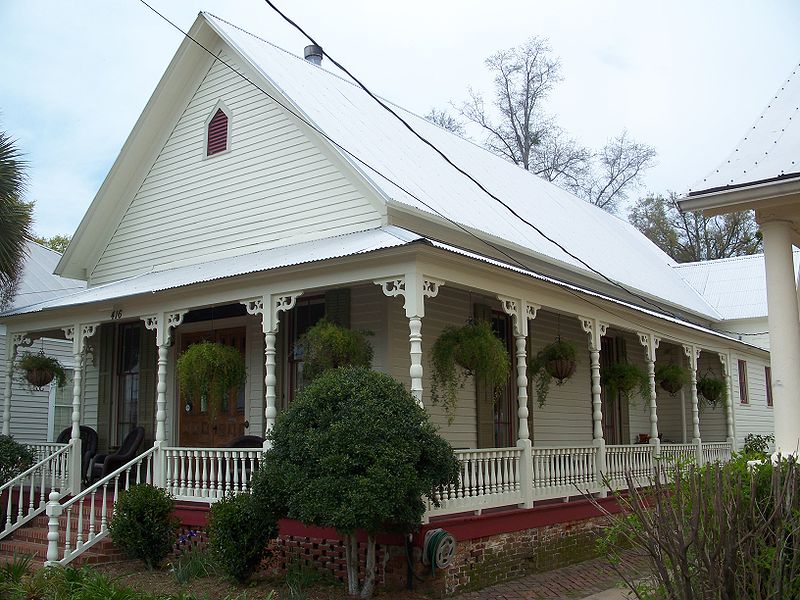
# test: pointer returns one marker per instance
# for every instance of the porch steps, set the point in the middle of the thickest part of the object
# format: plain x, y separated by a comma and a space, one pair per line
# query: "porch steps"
31, 539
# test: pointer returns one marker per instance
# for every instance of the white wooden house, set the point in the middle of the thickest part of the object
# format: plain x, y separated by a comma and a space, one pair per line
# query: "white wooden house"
259, 192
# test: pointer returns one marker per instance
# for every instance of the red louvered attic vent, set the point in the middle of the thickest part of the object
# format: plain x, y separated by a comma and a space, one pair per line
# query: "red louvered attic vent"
217, 133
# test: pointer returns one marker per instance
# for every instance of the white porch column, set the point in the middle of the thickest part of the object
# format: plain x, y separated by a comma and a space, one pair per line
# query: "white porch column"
725, 361
269, 306
693, 353
521, 312
650, 343
78, 333
163, 323
13, 341
414, 288
596, 330
784, 333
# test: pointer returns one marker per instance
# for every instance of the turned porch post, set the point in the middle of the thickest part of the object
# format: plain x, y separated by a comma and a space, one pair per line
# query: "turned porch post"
414, 288
725, 361
78, 333
162, 323
596, 330
522, 312
13, 341
269, 306
650, 343
693, 353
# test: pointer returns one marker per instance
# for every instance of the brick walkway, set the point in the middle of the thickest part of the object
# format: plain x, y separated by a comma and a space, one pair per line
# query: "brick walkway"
567, 583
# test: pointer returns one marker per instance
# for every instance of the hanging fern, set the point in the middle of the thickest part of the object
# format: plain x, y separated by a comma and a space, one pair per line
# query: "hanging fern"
210, 370
712, 391
40, 369
460, 352
327, 345
626, 378
542, 368
672, 377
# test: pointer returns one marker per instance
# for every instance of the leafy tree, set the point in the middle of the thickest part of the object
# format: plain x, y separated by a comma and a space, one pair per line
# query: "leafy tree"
692, 236
58, 242
355, 451
15, 218
517, 127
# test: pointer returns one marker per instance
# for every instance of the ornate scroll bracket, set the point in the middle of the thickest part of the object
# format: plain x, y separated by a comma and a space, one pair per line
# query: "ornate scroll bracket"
521, 312
595, 330
276, 303
723, 359
413, 289
650, 343
692, 352
79, 334
163, 324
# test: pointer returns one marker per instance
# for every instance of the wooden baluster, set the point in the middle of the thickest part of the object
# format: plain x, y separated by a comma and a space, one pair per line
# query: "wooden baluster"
204, 487
104, 510
228, 473
68, 535
212, 475
79, 528
90, 537
197, 486
237, 475
220, 474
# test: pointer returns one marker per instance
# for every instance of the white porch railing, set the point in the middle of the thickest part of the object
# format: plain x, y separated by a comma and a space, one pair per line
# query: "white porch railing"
636, 460
44, 449
564, 471
678, 453
716, 451
488, 478
25, 496
82, 521
208, 474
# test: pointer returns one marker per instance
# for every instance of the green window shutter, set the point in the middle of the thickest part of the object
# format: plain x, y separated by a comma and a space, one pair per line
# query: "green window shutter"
484, 401
337, 306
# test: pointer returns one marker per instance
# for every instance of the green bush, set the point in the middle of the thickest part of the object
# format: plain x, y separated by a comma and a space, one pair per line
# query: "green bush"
14, 458
143, 525
328, 346
757, 446
238, 534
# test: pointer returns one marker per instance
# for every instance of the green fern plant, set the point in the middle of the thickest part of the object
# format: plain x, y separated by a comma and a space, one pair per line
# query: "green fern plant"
554, 361
625, 379
210, 370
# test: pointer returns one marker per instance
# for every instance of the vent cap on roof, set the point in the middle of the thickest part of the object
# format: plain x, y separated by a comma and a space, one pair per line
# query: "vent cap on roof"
313, 54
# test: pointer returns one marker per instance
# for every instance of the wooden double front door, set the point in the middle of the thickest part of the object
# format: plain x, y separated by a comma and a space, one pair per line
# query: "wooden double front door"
197, 427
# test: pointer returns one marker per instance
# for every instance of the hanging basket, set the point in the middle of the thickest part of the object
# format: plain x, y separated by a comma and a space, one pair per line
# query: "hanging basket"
560, 369
671, 386
714, 390
672, 377
39, 377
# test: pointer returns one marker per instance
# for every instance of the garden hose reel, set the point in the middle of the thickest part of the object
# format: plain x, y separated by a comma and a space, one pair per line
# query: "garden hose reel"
438, 549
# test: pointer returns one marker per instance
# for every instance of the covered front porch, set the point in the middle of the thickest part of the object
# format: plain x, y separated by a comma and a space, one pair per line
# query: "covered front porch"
513, 452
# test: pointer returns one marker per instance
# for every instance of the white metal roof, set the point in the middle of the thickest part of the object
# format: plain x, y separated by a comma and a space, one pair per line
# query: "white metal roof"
770, 150
264, 260
411, 169
736, 286
38, 283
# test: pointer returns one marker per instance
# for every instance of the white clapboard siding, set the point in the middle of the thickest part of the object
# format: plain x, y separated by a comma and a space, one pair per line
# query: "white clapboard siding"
29, 407
755, 417
713, 425
254, 337
273, 187
638, 408
566, 417
450, 307
368, 312
669, 407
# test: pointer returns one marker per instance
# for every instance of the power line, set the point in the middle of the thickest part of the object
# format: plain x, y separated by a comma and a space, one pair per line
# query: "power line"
363, 162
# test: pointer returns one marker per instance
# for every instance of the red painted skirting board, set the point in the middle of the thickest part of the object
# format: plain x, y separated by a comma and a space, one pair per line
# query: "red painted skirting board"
463, 527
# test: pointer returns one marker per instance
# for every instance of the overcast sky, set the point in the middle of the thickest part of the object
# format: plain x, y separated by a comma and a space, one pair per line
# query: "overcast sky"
687, 77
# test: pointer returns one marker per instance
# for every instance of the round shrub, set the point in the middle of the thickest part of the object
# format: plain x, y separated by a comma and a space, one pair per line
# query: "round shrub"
143, 525
14, 458
238, 533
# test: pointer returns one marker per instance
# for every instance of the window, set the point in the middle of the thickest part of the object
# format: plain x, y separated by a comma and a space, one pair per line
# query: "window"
743, 396
768, 382
61, 405
128, 378
217, 133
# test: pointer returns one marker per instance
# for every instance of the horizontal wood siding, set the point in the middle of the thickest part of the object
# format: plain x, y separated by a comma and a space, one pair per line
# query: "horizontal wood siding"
450, 307
29, 407
755, 417
255, 376
273, 187
368, 312
639, 408
566, 418
669, 406
713, 424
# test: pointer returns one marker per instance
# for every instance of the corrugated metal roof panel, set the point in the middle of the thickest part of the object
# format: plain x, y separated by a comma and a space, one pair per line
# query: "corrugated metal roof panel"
38, 282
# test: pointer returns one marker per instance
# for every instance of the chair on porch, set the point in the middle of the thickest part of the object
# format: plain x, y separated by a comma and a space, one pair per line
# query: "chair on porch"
246, 441
103, 464
88, 446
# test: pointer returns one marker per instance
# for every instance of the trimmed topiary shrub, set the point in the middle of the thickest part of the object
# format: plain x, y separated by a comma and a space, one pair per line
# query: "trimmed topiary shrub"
143, 525
239, 530
14, 458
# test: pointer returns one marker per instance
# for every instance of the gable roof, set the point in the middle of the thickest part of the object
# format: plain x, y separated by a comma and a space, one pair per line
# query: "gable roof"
736, 286
769, 151
408, 176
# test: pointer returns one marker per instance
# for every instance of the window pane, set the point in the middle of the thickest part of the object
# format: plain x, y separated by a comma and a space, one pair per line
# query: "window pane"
743, 396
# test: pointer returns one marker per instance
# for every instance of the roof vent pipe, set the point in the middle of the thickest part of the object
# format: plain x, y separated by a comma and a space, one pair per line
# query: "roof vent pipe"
313, 54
